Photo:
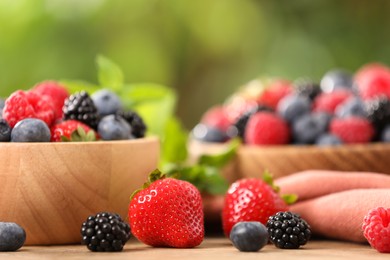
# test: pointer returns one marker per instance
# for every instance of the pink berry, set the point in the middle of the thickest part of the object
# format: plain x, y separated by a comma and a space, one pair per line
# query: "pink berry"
376, 229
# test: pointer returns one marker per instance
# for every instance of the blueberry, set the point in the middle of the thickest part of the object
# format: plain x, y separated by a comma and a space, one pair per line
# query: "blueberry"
385, 136
293, 106
336, 79
114, 127
2, 103
309, 127
328, 140
106, 102
12, 236
352, 107
249, 236
5, 131
207, 133
30, 130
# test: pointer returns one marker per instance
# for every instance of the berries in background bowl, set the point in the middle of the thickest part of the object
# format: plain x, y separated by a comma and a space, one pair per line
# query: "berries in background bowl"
249, 236
376, 229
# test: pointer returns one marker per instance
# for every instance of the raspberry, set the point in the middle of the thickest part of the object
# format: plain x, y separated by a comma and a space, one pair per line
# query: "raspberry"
352, 129
373, 80
22, 104
216, 117
275, 92
266, 128
242, 121
56, 92
328, 102
376, 229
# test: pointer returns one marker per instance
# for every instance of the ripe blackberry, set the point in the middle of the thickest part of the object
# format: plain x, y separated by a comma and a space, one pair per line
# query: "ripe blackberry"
378, 112
80, 107
242, 121
105, 232
307, 88
288, 230
138, 127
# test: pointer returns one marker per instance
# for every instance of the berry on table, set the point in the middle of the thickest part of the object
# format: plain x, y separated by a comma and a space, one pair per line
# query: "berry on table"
105, 232
106, 102
80, 107
5, 131
207, 133
288, 230
336, 79
114, 127
376, 229
293, 106
138, 127
12, 236
30, 130
352, 129
249, 236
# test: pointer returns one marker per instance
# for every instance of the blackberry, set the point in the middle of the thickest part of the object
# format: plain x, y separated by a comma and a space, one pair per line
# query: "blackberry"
378, 112
5, 131
288, 230
307, 88
105, 232
242, 121
137, 124
80, 107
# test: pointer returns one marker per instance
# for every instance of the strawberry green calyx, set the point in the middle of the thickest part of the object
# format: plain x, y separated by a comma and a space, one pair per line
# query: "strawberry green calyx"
288, 198
79, 135
153, 176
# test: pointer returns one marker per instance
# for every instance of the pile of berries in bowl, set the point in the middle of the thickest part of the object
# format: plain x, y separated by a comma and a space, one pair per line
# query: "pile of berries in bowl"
341, 114
66, 157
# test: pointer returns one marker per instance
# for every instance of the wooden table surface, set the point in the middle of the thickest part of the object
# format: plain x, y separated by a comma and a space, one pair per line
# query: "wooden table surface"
211, 248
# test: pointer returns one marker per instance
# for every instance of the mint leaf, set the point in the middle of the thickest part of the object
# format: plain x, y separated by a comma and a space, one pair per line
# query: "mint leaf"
220, 160
78, 85
109, 74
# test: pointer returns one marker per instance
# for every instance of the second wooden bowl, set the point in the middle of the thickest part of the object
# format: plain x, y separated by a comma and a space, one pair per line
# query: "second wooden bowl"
51, 188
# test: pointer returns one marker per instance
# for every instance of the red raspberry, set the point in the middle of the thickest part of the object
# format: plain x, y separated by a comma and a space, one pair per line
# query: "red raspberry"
352, 129
266, 128
373, 80
56, 92
67, 128
275, 92
376, 229
328, 102
216, 117
26, 104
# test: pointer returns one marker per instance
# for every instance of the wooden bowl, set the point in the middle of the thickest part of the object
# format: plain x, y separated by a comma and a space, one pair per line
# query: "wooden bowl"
251, 161
51, 188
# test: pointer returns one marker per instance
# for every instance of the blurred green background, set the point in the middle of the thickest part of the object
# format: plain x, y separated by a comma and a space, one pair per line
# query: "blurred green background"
204, 49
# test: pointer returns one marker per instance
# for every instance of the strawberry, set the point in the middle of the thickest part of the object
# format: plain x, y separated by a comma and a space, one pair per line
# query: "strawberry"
56, 92
26, 104
251, 200
216, 117
328, 102
275, 92
373, 80
352, 129
167, 213
72, 130
266, 128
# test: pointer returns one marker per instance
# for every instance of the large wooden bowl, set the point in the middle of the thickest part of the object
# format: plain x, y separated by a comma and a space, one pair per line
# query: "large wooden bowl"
251, 161
51, 188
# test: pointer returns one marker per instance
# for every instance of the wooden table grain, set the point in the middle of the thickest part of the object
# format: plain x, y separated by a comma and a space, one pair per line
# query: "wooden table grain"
211, 248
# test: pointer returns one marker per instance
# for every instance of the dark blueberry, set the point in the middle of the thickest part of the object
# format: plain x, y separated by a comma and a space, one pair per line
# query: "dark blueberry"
206, 133
30, 130
5, 131
138, 127
106, 102
328, 140
12, 236
307, 128
293, 106
294, 233
378, 112
352, 107
249, 236
307, 88
103, 236
385, 135
336, 79
242, 121
114, 127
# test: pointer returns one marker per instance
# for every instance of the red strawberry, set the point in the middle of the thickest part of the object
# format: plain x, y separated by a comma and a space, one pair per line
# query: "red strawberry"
266, 128
26, 104
352, 129
376, 229
167, 213
275, 92
70, 131
56, 92
328, 102
216, 117
373, 80
250, 200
